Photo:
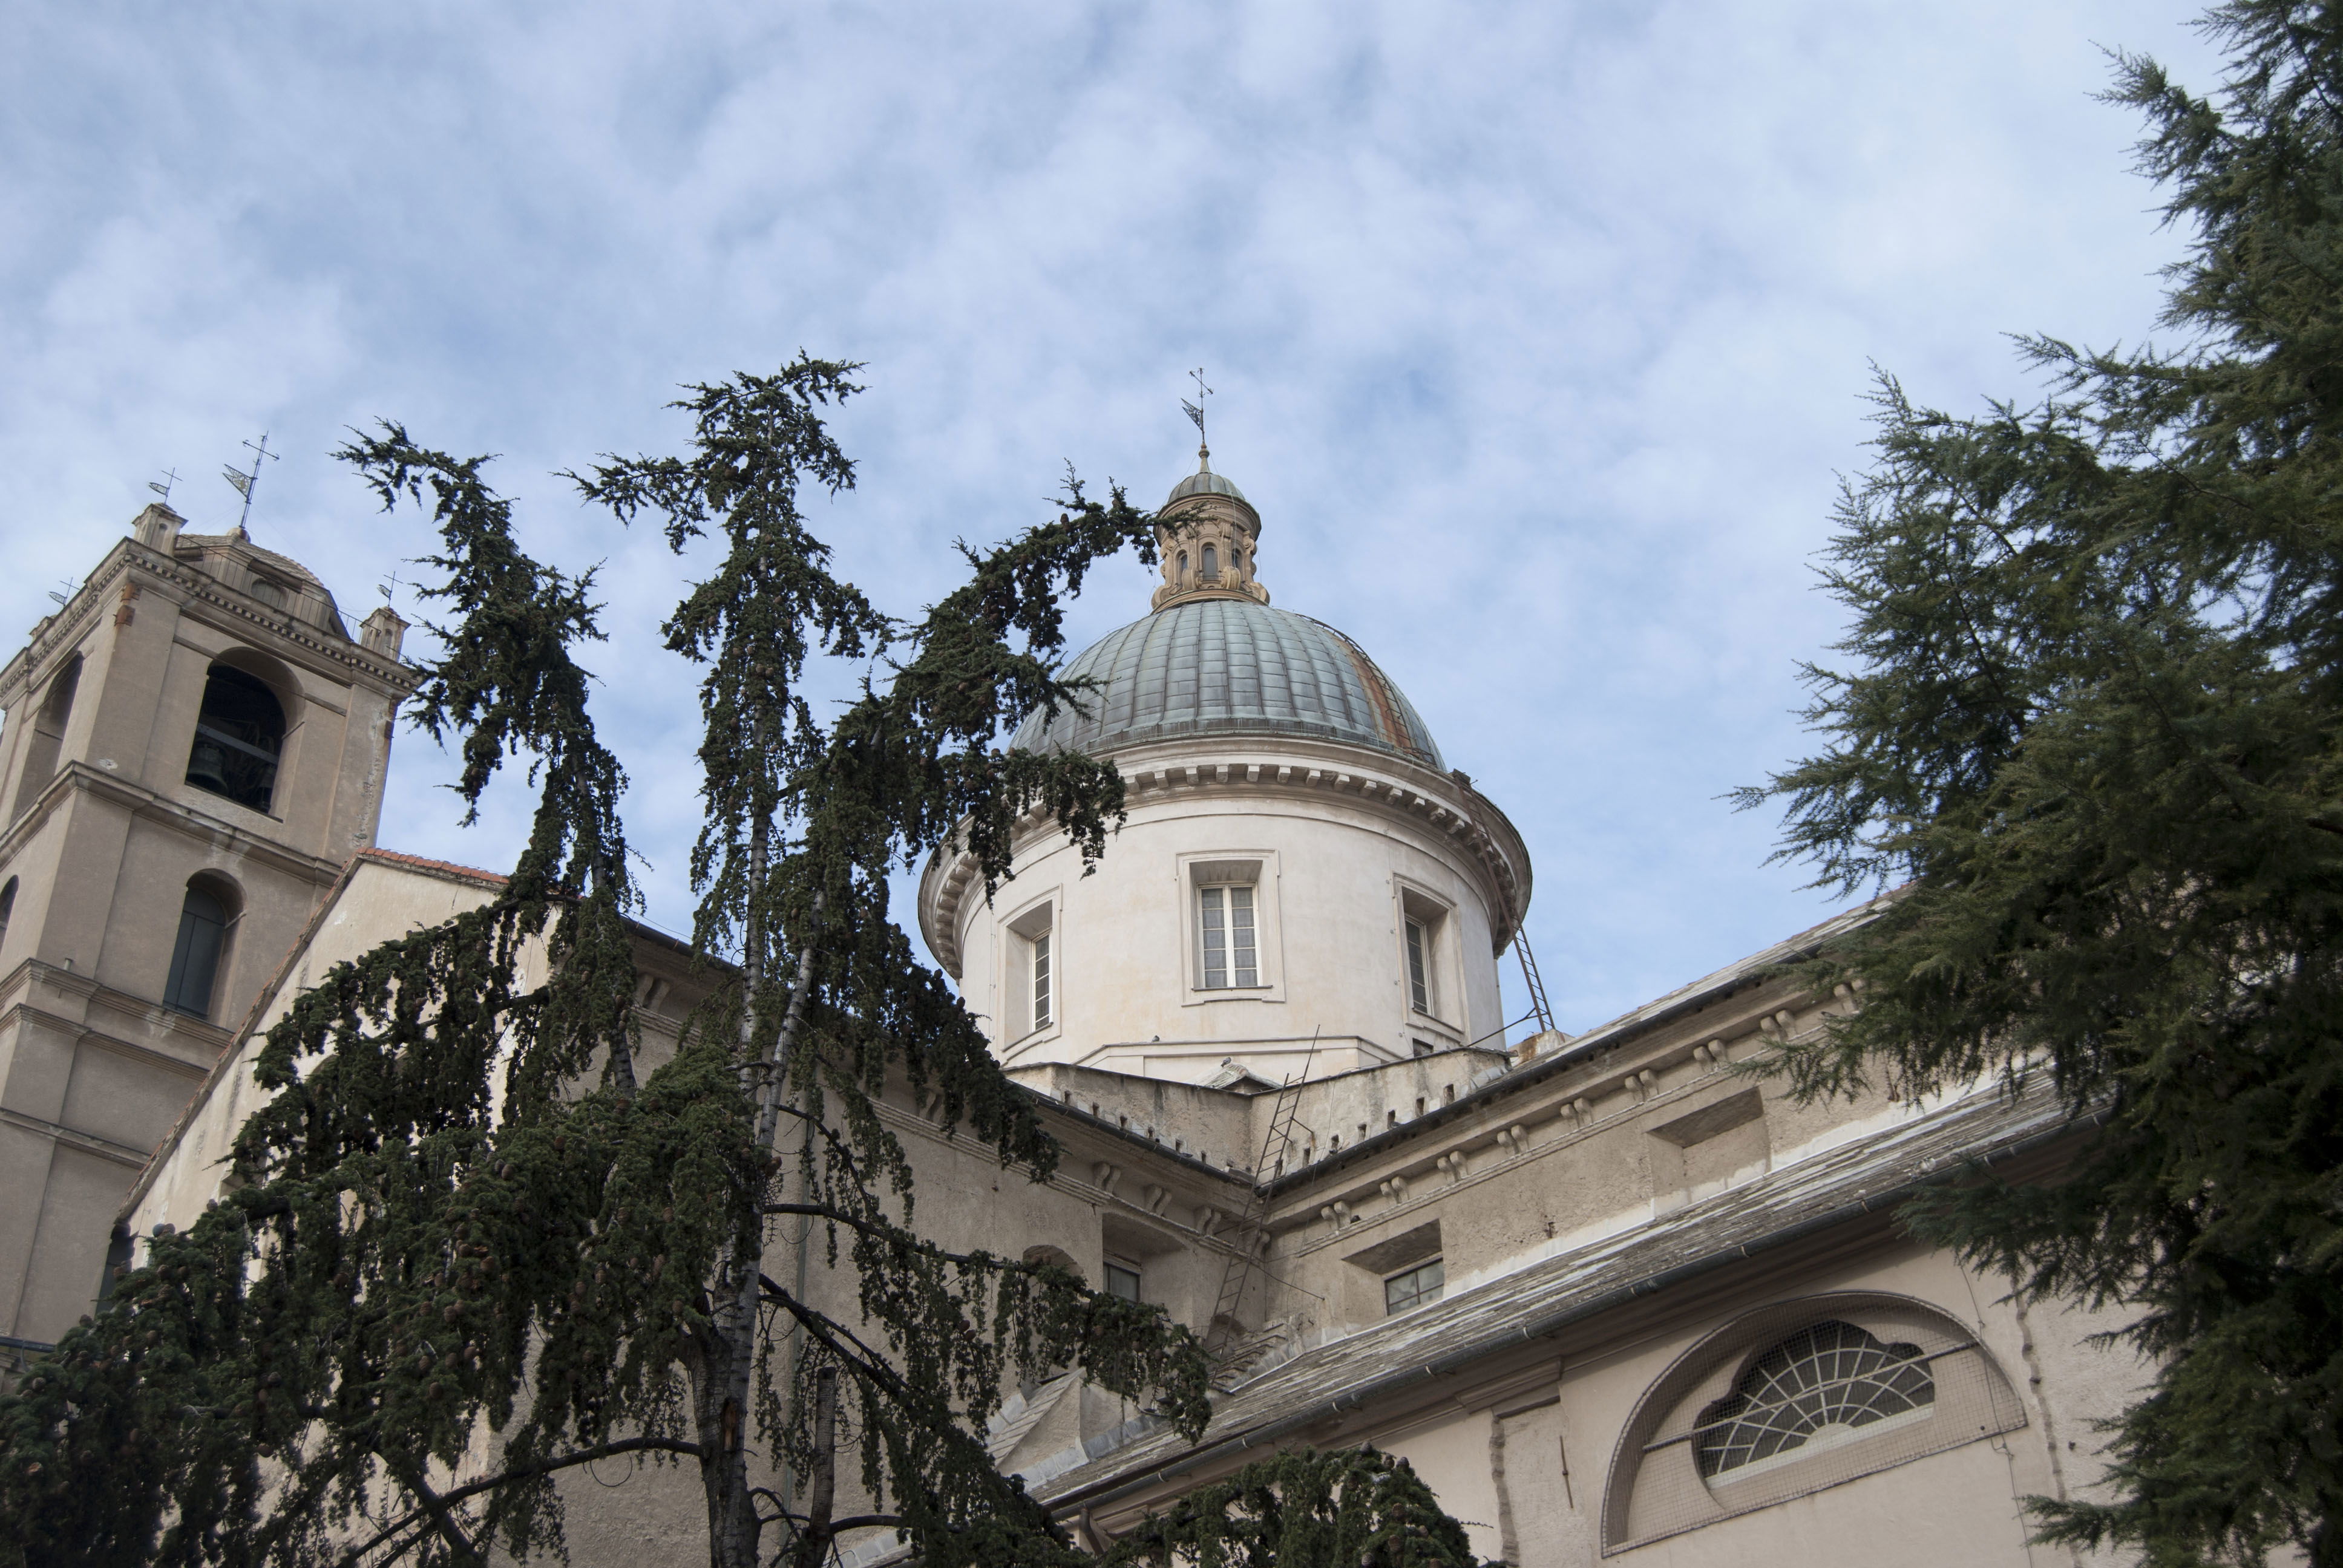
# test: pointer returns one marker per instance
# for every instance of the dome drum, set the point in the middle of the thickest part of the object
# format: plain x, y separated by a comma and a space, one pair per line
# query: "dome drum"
1297, 864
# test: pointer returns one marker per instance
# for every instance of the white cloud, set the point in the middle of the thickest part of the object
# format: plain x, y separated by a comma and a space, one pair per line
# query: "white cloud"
1539, 331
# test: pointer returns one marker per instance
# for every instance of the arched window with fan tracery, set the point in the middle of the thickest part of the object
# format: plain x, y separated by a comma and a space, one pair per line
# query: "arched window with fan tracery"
1821, 1387
1793, 1399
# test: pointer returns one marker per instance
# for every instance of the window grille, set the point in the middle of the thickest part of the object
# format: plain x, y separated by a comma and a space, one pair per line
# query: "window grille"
1041, 981
1231, 955
1419, 980
1820, 1385
1415, 1287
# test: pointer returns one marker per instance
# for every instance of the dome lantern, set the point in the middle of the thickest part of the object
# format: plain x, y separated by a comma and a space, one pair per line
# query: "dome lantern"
1207, 533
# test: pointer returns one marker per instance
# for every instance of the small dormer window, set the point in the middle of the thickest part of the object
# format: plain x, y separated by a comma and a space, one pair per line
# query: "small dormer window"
271, 593
1416, 1287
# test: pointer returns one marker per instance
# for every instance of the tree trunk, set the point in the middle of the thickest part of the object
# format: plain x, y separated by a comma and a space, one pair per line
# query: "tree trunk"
821, 1484
722, 1405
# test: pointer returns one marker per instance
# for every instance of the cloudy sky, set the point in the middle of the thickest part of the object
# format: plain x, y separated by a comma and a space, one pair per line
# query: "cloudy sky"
1539, 331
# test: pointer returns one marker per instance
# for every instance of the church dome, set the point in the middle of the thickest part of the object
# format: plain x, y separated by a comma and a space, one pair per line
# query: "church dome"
1232, 667
1205, 482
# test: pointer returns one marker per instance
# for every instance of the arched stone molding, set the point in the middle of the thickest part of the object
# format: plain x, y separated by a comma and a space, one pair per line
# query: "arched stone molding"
1660, 1484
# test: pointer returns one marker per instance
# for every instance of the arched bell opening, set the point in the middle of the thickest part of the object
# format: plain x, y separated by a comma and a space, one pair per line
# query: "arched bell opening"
240, 737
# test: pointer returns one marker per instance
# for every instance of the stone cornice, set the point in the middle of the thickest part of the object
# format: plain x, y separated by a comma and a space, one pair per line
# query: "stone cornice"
143, 802
55, 632
1433, 804
17, 1003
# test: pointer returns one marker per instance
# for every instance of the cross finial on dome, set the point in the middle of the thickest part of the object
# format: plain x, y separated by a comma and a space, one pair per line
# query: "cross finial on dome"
1196, 412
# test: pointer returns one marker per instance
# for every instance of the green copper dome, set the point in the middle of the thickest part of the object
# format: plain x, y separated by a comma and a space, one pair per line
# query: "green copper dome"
1230, 667
1205, 483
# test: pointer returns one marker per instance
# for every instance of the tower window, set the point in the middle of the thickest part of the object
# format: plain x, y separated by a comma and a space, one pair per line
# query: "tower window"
1041, 981
48, 735
196, 956
7, 907
1419, 975
1028, 979
1183, 565
1211, 565
1225, 921
238, 736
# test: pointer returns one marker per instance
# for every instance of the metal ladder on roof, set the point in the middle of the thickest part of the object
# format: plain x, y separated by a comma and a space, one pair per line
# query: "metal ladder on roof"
1536, 982
1222, 1336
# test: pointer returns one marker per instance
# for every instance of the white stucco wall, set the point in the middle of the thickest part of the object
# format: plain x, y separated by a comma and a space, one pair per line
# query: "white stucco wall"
1337, 862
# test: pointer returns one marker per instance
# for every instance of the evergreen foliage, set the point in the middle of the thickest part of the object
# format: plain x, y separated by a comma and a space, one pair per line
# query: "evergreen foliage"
1354, 1508
2094, 718
470, 1245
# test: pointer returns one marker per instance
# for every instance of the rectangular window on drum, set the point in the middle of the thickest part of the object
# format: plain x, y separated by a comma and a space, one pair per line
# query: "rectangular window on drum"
1041, 981
1419, 982
1230, 951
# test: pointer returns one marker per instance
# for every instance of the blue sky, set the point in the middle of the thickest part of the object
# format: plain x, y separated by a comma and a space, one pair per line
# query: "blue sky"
1540, 332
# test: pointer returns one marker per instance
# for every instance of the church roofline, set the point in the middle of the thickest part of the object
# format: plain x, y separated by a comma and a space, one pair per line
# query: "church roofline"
1755, 970
391, 859
1435, 1345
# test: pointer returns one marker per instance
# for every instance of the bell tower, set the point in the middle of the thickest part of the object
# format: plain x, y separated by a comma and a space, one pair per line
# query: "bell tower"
193, 746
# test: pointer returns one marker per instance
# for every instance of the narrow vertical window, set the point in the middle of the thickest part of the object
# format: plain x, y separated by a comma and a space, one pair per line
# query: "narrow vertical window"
1041, 981
1230, 952
1183, 567
1211, 564
7, 907
1419, 982
195, 957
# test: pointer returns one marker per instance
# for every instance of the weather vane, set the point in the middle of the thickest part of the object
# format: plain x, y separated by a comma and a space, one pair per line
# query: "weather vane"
1196, 412
246, 483
162, 486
